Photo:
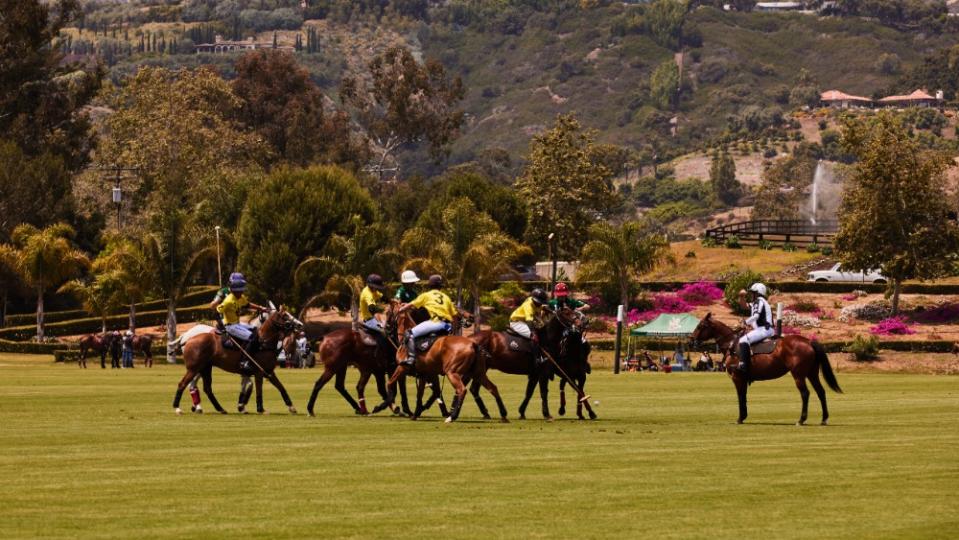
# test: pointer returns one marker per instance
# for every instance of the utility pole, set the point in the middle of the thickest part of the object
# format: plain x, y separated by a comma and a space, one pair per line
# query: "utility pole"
117, 175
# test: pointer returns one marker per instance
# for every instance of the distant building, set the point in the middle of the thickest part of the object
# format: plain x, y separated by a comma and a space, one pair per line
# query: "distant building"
919, 98
840, 100
221, 45
779, 6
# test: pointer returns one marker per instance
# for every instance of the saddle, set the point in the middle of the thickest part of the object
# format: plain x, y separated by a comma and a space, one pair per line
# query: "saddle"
516, 342
251, 346
766, 346
426, 342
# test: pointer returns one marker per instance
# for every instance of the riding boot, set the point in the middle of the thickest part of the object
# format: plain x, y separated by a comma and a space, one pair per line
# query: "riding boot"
745, 359
410, 351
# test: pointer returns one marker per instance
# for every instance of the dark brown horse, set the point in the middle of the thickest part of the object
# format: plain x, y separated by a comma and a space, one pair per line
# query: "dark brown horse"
143, 343
345, 347
456, 357
554, 336
573, 356
203, 349
793, 354
99, 343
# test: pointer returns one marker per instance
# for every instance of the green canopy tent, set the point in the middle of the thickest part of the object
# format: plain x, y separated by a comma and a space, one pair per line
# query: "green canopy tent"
678, 326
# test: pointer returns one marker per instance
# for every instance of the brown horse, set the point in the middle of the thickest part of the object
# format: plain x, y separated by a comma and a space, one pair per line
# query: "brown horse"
203, 349
793, 354
99, 343
456, 357
345, 347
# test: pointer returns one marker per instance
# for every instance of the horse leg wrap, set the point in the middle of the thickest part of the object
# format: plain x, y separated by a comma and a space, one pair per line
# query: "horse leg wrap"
195, 395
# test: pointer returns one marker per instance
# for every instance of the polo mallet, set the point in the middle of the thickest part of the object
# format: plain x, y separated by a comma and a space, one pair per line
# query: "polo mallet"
583, 397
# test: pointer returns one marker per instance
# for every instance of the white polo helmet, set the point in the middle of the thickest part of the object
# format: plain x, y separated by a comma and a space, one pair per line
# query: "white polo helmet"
759, 289
409, 277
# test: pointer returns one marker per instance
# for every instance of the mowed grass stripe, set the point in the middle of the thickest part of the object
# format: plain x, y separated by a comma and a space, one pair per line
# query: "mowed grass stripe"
99, 453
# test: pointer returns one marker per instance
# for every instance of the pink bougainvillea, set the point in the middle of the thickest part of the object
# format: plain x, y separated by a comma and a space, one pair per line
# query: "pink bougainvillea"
701, 293
662, 303
897, 326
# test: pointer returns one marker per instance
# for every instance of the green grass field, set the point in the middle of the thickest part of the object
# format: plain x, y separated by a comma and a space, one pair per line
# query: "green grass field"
101, 454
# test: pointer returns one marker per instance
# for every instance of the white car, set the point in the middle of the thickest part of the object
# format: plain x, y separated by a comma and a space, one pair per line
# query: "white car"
837, 273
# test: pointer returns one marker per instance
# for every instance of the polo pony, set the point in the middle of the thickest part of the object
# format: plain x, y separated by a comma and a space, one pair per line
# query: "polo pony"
203, 349
797, 355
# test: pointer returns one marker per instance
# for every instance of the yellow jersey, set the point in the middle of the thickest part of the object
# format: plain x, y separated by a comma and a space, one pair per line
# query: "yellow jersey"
438, 304
368, 301
526, 312
230, 308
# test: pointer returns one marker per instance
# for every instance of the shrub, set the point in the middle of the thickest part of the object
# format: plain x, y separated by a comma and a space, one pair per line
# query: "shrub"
700, 294
805, 306
736, 283
893, 326
789, 246
823, 125
942, 314
765, 245
690, 254
733, 242
873, 311
793, 319
770, 153
499, 322
708, 241
813, 248
827, 251
864, 348
508, 295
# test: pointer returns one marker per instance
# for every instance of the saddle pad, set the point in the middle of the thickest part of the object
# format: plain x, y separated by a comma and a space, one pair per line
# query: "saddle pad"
518, 343
765, 347
367, 338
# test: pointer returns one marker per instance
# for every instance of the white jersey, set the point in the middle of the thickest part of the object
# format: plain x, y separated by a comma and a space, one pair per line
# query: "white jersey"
760, 314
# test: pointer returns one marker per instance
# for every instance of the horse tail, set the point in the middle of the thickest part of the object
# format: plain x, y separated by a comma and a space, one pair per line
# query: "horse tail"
827, 372
478, 367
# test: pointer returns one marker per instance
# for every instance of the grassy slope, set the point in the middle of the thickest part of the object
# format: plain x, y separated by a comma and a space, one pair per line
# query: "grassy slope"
99, 453
761, 52
711, 263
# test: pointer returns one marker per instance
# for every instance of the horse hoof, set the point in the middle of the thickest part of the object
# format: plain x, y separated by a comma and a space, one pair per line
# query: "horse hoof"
312, 415
487, 417
740, 421
292, 409
221, 411
801, 423
449, 420
262, 411
412, 417
825, 423
504, 420
178, 410
198, 409
548, 418
562, 411
592, 416
522, 417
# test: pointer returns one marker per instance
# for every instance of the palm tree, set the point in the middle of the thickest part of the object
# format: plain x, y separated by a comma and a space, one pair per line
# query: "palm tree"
488, 257
345, 261
617, 255
98, 297
124, 265
9, 278
468, 248
174, 251
444, 251
46, 258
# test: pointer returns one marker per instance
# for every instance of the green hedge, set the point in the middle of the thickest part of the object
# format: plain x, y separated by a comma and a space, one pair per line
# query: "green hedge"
29, 347
196, 296
787, 286
73, 355
93, 325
